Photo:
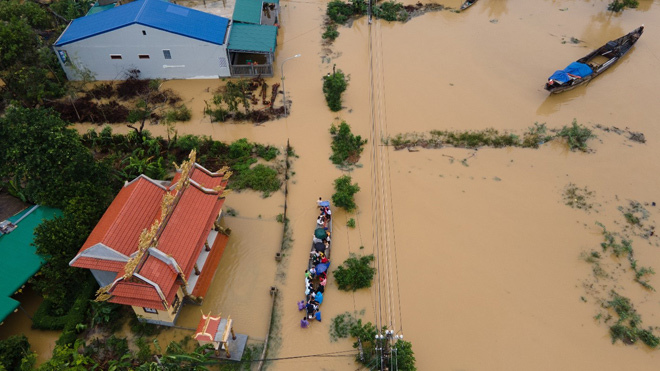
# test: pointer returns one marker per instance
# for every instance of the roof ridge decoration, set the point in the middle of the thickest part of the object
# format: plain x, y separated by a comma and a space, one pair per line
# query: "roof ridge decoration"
149, 238
207, 319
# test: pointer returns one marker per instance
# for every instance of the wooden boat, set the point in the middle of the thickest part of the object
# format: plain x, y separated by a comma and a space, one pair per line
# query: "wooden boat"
593, 64
467, 4
316, 246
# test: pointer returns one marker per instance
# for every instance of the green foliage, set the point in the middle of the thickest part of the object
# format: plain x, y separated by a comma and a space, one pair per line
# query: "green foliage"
355, 273
365, 336
405, 357
178, 114
535, 136
330, 33
144, 352
340, 326
576, 136
339, 11
350, 223
260, 177
346, 147
345, 191
619, 5
334, 84
67, 357
143, 328
266, 152
47, 158
648, 338
71, 9
13, 350
390, 11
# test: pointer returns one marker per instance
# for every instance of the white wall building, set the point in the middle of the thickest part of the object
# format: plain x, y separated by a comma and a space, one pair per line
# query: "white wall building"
159, 39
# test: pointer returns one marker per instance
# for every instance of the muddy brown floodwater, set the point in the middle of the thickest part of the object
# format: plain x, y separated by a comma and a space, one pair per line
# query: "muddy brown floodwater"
489, 275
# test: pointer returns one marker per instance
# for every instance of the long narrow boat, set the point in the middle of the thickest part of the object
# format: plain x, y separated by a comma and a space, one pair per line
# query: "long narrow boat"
467, 4
593, 64
320, 246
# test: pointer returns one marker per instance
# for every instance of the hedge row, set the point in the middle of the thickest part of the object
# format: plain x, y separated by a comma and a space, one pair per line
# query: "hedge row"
77, 314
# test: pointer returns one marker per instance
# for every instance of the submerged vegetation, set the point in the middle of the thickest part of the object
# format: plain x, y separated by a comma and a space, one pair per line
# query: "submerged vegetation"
345, 191
334, 85
355, 273
578, 198
365, 339
346, 147
619, 5
228, 99
576, 137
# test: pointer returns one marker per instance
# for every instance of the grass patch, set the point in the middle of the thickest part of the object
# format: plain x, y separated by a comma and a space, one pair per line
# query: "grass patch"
340, 326
350, 223
619, 5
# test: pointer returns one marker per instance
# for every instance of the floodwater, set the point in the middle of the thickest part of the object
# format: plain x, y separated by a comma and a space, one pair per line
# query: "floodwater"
19, 322
483, 255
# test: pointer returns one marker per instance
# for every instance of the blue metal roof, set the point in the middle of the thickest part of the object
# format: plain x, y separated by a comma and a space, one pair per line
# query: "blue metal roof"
153, 13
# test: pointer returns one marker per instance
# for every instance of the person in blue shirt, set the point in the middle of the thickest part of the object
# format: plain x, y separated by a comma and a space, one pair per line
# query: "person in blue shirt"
319, 297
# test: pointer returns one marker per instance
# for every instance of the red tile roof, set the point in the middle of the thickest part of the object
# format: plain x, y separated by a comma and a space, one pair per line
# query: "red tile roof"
137, 294
205, 178
182, 236
99, 264
189, 225
134, 209
206, 332
210, 266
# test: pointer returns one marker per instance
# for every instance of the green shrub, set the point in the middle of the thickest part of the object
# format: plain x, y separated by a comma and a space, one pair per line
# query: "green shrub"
260, 178
619, 5
576, 136
12, 351
340, 326
350, 223
355, 273
346, 147
267, 152
187, 143
390, 11
648, 338
334, 84
330, 33
339, 12
179, 114
345, 191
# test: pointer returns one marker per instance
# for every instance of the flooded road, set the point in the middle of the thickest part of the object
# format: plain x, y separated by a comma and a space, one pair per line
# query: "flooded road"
489, 275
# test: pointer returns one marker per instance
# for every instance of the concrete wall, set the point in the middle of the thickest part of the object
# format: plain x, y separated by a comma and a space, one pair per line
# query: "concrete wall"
191, 58
163, 317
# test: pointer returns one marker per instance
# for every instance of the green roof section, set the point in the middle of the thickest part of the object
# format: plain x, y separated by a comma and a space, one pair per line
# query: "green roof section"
18, 257
99, 8
252, 38
248, 11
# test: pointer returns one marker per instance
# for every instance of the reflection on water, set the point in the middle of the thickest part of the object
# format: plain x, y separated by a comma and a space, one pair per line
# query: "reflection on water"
554, 102
494, 8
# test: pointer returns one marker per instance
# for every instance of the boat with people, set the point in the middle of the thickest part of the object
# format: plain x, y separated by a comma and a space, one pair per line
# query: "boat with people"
593, 64
316, 274
467, 4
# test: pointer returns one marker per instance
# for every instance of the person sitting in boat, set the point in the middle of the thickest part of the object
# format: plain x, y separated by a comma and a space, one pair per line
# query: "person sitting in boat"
310, 309
320, 289
315, 240
320, 221
319, 297
312, 272
327, 212
323, 280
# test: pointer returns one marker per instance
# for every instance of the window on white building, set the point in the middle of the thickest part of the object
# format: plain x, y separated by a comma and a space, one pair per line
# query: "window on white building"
115, 56
143, 56
167, 54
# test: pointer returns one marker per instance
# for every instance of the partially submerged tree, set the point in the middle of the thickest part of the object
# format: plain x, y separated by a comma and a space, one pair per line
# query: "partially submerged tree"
334, 84
345, 191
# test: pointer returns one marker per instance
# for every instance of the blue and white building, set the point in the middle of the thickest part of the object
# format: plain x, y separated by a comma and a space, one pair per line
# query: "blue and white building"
160, 39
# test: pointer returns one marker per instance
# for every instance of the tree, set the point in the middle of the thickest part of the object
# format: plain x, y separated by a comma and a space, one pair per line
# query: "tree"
345, 191
13, 350
47, 159
355, 273
346, 147
334, 85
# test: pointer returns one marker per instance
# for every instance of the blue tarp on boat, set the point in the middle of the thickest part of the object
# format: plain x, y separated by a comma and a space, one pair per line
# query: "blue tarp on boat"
575, 68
